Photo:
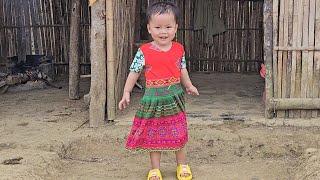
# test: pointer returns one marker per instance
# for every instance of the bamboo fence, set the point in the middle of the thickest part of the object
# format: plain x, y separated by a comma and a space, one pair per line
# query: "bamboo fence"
296, 58
42, 27
239, 49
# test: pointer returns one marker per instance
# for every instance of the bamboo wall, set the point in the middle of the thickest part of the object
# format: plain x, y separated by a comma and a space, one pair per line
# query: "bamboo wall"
239, 49
124, 25
42, 27
296, 53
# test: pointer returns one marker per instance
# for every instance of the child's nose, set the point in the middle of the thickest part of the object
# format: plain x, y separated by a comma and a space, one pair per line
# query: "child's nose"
163, 30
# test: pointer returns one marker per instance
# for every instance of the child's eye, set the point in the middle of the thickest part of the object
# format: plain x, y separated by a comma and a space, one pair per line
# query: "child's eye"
157, 27
169, 27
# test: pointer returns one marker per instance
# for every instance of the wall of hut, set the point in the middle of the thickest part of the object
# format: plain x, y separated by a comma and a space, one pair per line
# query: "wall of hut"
296, 58
41, 27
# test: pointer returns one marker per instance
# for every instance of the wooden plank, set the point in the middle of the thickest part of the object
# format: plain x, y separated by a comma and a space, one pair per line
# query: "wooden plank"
316, 78
312, 14
305, 63
275, 15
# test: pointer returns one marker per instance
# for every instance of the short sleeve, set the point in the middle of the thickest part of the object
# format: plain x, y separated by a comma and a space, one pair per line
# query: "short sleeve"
138, 62
183, 63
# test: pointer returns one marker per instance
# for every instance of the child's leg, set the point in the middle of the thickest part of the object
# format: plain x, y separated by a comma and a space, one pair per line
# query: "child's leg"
155, 160
181, 160
181, 157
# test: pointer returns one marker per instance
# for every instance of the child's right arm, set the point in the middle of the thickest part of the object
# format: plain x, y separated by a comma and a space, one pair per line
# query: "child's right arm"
131, 80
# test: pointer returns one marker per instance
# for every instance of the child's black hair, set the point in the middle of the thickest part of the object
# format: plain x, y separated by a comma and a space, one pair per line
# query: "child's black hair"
162, 8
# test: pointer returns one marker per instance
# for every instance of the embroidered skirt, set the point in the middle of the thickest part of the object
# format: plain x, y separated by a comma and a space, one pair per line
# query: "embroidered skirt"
160, 122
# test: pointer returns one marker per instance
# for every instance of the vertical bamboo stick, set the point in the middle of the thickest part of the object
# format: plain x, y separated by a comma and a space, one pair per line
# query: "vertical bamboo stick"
305, 63
311, 43
111, 106
299, 61
28, 30
98, 64
275, 15
280, 54
316, 83
294, 54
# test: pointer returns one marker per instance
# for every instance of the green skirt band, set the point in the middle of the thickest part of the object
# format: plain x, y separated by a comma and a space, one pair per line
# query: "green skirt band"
161, 102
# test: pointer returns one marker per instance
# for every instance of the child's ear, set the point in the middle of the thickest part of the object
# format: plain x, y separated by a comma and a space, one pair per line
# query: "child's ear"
148, 27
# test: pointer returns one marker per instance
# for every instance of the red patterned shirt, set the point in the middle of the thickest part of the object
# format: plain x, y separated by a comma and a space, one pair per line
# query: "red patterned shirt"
162, 68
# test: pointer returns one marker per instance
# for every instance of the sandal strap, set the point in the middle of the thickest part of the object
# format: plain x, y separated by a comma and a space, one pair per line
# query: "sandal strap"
154, 173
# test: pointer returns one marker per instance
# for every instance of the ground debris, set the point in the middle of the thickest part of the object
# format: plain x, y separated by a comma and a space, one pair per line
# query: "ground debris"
12, 161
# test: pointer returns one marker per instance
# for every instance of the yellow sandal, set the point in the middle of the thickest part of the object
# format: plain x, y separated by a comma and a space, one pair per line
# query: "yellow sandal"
154, 173
184, 169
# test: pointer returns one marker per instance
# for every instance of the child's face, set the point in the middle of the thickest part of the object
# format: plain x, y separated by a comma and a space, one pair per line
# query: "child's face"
162, 28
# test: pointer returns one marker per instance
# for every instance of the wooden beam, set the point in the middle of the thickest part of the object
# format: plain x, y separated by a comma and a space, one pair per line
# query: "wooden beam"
294, 103
98, 65
74, 62
111, 104
268, 53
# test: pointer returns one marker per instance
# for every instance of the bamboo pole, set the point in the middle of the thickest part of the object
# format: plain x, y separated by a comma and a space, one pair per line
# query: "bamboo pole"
280, 54
98, 65
285, 53
111, 104
290, 40
312, 14
317, 54
74, 62
274, 68
305, 63
268, 37
297, 103
293, 114
297, 90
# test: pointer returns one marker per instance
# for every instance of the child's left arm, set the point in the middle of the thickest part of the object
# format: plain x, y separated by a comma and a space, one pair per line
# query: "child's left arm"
186, 82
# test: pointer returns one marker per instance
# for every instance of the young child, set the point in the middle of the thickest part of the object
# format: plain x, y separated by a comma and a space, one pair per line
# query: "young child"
160, 122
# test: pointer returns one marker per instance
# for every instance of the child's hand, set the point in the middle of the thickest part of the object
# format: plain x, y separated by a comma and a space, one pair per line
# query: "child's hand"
192, 90
124, 101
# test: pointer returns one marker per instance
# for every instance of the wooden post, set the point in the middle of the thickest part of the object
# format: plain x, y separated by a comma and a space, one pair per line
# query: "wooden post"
111, 105
268, 44
98, 64
74, 62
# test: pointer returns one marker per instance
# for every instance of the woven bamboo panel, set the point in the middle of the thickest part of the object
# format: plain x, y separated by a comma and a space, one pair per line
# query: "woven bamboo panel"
296, 66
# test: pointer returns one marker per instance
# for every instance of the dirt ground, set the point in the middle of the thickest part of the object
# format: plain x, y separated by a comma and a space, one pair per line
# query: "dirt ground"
229, 137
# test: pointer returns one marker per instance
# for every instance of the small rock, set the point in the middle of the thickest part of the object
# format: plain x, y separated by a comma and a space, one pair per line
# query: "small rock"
311, 150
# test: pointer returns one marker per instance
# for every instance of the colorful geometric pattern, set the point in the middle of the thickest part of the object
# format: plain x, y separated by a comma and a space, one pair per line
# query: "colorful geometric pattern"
162, 82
